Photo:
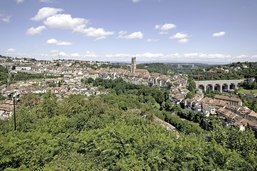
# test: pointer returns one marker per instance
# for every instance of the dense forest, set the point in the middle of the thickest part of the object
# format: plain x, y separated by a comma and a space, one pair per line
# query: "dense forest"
116, 131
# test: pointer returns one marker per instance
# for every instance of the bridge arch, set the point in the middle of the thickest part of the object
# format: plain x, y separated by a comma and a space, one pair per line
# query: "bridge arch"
217, 87
209, 87
225, 87
201, 87
232, 86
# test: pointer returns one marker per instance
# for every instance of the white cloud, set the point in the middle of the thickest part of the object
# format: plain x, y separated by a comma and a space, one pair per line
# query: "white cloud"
219, 34
45, 0
11, 50
57, 53
141, 56
98, 33
46, 12
90, 54
183, 40
175, 57
150, 55
65, 21
19, 1
136, 1
62, 43
191, 54
51, 41
180, 37
122, 33
54, 51
5, 18
242, 56
63, 54
75, 54
206, 56
119, 55
254, 56
58, 42
134, 35
165, 27
37, 30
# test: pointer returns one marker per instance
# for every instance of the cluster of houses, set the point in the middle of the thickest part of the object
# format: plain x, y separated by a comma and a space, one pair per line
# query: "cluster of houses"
230, 109
71, 74
41, 86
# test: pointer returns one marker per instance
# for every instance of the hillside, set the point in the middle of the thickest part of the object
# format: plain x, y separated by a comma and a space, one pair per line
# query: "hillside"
231, 71
115, 132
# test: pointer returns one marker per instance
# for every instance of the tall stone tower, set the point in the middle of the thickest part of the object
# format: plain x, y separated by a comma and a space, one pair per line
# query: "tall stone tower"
133, 65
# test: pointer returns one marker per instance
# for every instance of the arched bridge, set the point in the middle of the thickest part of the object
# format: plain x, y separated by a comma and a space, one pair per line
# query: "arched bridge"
218, 85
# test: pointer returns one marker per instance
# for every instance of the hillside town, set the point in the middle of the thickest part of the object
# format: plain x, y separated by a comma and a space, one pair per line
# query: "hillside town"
128, 85
69, 73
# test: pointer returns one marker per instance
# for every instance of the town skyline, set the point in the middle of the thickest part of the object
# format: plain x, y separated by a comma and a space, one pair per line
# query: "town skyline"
151, 30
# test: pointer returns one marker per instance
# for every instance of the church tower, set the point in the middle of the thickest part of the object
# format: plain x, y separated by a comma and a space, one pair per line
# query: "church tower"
133, 65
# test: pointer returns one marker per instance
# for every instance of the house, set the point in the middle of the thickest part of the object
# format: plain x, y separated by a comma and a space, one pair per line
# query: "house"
23, 68
243, 123
196, 106
229, 116
208, 110
229, 100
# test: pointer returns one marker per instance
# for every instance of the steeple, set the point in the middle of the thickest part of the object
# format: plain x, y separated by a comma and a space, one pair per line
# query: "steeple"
133, 65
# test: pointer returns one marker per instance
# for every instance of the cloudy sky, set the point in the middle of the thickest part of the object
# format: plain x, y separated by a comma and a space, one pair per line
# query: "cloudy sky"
209, 31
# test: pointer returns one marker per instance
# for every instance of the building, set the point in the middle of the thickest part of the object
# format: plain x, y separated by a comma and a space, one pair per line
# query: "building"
234, 101
133, 65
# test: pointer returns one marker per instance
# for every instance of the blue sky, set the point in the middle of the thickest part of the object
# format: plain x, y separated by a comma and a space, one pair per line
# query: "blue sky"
209, 31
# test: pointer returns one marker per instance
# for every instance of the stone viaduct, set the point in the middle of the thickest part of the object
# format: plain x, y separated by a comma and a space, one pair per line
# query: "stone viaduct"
218, 85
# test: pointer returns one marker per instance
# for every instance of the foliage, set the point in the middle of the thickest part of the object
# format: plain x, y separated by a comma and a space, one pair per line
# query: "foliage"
2, 97
211, 94
250, 103
112, 132
249, 85
232, 71
191, 87
244, 91
3, 75
157, 67
22, 76
122, 87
